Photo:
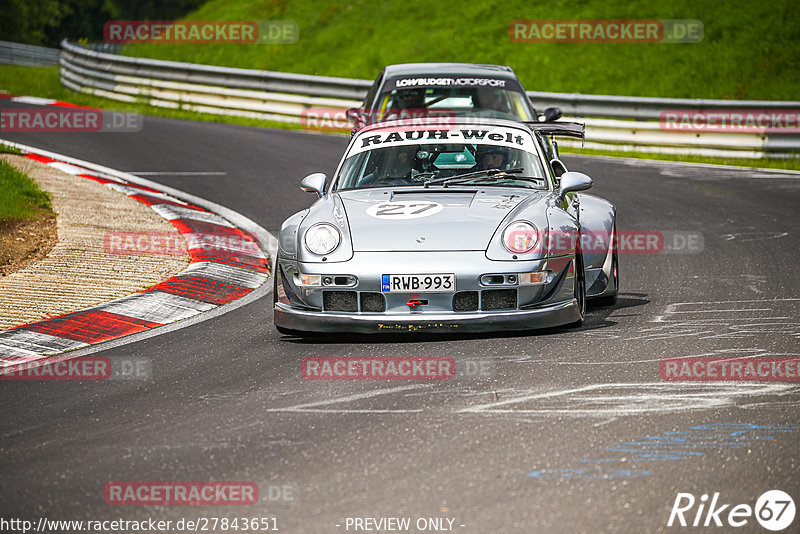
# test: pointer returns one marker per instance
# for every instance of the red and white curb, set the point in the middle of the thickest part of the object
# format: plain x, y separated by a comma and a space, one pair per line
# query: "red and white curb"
213, 278
37, 101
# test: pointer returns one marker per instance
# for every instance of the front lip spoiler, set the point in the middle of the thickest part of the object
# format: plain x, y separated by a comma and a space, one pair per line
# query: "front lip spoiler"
371, 323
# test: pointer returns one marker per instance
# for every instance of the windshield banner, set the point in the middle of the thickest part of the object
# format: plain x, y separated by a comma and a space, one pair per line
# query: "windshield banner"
508, 137
408, 82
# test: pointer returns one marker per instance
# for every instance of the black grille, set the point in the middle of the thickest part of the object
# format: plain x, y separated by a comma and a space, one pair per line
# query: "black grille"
346, 301
465, 301
498, 299
372, 302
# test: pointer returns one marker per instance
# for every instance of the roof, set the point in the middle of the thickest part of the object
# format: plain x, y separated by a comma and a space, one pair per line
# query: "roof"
446, 123
469, 69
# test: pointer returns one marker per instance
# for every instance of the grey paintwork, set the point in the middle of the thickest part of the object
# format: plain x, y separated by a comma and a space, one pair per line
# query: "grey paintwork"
463, 238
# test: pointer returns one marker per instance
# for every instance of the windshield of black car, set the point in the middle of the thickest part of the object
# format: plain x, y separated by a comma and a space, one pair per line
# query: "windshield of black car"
490, 102
412, 164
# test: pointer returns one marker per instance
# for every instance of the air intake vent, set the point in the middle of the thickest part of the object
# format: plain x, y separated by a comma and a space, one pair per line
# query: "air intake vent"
346, 301
372, 302
498, 299
465, 301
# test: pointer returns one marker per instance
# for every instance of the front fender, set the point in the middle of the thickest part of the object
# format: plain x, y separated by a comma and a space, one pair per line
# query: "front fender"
597, 218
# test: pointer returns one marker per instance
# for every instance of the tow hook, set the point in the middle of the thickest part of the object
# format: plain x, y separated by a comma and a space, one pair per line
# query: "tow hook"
413, 303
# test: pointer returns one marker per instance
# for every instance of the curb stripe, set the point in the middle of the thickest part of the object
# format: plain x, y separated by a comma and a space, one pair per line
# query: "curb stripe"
226, 273
26, 343
201, 289
157, 307
212, 278
90, 326
176, 212
232, 258
150, 200
43, 159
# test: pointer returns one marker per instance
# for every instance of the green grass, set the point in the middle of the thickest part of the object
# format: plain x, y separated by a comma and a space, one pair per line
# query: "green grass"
791, 164
749, 50
20, 197
6, 149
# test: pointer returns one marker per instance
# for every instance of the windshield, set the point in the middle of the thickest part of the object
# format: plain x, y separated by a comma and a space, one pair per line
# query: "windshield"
494, 102
416, 164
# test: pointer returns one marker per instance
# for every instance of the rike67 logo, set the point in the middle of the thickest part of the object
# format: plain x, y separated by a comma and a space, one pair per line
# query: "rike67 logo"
774, 510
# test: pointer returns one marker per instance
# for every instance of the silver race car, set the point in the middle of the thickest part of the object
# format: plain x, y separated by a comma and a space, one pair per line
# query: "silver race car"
443, 225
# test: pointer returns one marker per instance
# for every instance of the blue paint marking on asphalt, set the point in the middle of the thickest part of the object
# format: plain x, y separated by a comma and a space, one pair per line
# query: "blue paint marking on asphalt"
674, 445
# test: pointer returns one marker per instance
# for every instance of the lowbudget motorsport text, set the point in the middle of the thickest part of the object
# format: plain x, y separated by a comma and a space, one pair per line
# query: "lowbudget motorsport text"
195, 524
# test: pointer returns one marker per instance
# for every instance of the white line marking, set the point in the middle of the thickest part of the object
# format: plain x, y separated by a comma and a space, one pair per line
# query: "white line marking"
654, 397
313, 406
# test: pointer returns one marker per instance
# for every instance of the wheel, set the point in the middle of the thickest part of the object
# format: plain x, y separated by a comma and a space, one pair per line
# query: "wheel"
580, 286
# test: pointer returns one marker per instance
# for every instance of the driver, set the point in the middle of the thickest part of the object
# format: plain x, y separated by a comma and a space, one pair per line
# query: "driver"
411, 98
401, 161
492, 99
490, 157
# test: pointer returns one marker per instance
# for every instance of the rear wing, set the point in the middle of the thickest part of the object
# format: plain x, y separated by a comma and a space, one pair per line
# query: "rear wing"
565, 129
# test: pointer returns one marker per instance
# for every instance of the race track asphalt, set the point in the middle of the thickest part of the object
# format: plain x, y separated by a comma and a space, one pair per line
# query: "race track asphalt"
574, 431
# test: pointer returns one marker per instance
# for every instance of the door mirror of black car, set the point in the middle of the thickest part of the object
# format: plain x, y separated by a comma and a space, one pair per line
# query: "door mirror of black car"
558, 167
355, 115
552, 114
315, 183
573, 181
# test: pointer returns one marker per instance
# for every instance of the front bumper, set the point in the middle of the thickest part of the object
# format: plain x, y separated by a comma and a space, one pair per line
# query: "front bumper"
529, 306
369, 323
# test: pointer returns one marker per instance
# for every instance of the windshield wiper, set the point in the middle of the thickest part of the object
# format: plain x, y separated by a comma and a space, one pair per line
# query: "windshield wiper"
484, 174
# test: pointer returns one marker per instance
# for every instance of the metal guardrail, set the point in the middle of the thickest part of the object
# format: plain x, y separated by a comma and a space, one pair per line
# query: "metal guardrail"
28, 55
286, 97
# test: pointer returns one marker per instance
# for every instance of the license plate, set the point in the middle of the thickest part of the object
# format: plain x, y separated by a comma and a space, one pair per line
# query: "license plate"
413, 283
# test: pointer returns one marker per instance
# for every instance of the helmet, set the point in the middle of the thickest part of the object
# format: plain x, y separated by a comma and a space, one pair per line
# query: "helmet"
485, 150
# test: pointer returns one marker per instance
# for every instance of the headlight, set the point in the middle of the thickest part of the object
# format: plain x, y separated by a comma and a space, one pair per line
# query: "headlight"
322, 238
520, 237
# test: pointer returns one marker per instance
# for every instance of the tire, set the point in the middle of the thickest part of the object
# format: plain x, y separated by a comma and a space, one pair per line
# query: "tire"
580, 287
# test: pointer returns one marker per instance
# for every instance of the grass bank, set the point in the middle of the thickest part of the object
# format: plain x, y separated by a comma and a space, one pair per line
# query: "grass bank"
748, 51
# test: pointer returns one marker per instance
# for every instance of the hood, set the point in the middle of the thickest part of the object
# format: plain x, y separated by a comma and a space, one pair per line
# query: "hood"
428, 219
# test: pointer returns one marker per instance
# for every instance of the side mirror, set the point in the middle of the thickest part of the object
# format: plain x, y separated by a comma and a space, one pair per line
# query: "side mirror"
552, 114
573, 181
315, 183
558, 167
355, 115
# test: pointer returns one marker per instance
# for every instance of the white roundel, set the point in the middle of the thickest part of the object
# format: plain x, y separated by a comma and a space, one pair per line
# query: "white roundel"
404, 209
